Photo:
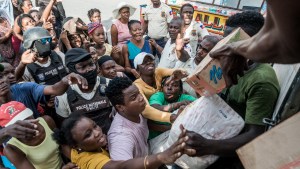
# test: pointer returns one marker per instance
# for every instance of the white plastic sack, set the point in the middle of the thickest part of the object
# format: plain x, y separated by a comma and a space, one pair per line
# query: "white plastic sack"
209, 116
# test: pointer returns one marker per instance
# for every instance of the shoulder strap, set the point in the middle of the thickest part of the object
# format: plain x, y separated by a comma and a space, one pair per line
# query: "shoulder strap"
71, 95
32, 68
55, 57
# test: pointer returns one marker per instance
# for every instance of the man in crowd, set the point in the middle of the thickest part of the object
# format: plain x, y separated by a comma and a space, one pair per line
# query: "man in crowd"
90, 101
157, 17
254, 98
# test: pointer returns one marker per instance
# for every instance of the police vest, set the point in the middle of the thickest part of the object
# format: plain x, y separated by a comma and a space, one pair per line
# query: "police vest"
98, 108
48, 75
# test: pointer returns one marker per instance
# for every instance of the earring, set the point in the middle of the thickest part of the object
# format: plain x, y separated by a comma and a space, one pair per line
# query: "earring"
79, 149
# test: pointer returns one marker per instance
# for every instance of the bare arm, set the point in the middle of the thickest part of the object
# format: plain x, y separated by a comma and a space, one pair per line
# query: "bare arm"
17, 29
126, 59
202, 146
61, 87
114, 35
17, 157
47, 11
145, 26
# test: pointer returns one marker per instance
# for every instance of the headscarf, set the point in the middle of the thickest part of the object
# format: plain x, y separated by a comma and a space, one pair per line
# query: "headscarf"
93, 26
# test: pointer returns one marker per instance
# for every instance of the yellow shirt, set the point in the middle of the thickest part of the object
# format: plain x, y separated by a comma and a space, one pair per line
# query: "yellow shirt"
44, 155
90, 160
147, 91
108, 50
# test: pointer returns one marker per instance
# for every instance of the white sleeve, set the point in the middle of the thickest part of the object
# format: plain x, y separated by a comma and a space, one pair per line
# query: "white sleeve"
202, 31
120, 145
62, 106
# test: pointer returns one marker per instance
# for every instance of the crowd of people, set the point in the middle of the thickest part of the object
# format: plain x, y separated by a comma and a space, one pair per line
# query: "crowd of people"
70, 99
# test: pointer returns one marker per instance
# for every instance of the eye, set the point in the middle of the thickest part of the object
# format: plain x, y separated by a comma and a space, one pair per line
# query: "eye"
88, 134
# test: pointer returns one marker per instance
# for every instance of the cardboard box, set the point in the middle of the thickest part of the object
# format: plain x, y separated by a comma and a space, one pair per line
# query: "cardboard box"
207, 78
279, 148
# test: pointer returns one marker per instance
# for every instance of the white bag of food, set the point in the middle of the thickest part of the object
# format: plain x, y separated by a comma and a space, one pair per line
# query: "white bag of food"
209, 116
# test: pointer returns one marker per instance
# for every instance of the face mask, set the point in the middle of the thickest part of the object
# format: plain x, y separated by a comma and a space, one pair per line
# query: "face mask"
90, 76
43, 50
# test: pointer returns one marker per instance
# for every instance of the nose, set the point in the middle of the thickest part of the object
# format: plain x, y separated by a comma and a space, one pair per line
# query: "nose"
96, 133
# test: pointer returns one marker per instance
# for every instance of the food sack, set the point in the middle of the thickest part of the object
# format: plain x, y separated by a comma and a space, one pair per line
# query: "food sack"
207, 78
209, 116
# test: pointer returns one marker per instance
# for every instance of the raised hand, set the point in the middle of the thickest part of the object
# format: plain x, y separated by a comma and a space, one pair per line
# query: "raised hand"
74, 78
115, 49
23, 129
179, 44
28, 57
135, 73
170, 155
177, 75
232, 63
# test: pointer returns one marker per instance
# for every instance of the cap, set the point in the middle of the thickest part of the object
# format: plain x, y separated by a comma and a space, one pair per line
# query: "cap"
75, 55
140, 58
104, 59
13, 111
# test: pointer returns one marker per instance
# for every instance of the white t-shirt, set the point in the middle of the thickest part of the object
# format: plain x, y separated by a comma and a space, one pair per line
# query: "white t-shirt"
190, 67
158, 19
61, 102
169, 56
195, 31
127, 139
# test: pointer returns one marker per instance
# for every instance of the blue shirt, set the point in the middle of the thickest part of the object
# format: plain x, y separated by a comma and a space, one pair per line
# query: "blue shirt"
30, 94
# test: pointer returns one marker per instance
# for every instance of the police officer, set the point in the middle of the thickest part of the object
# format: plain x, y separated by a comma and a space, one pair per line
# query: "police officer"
91, 102
44, 66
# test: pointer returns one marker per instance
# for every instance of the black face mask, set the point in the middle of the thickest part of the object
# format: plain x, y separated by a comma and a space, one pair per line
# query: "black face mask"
42, 50
90, 76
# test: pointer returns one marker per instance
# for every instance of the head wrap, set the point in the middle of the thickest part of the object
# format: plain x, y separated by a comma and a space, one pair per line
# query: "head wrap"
93, 26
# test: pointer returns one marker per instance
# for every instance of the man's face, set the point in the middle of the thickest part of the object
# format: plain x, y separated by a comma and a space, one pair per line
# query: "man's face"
108, 69
155, 2
147, 67
8, 73
134, 103
203, 49
85, 66
27, 23
187, 14
174, 29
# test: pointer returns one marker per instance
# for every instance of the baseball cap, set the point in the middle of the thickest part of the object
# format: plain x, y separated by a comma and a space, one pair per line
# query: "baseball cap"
75, 55
13, 111
140, 58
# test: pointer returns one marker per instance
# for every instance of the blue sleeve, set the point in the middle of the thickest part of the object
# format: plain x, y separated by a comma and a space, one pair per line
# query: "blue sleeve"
37, 92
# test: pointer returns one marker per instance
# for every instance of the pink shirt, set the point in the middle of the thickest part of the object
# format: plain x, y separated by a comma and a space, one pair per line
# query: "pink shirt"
126, 139
123, 32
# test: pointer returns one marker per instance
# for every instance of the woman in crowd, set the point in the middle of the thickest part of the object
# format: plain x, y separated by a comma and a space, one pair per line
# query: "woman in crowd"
119, 29
7, 51
170, 99
100, 48
84, 144
38, 153
136, 45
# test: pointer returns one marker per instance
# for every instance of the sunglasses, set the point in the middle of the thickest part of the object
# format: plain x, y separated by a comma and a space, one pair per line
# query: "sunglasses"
45, 40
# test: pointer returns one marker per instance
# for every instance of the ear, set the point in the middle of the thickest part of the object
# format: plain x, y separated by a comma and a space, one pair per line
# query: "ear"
120, 108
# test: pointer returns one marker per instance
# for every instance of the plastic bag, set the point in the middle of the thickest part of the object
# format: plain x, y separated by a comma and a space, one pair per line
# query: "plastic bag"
209, 116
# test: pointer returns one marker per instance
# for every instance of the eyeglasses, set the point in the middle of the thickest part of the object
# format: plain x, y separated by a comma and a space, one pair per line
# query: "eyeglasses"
45, 40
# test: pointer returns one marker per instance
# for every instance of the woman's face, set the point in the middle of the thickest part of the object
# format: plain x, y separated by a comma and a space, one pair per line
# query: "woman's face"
172, 91
124, 13
52, 18
27, 23
75, 40
88, 135
35, 16
98, 36
27, 5
136, 31
96, 17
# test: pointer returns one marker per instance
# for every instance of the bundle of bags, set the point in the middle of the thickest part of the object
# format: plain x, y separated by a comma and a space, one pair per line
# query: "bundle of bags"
210, 117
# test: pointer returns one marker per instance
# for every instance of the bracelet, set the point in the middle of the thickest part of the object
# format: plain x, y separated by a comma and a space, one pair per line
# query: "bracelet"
145, 161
